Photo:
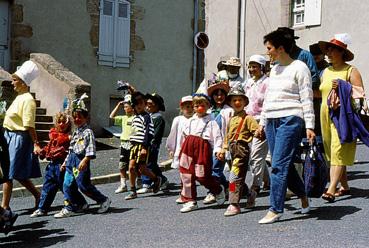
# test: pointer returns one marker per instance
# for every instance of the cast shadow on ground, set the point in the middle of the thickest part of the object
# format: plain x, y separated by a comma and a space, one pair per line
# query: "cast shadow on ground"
355, 193
326, 213
356, 175
33, 235
102, 146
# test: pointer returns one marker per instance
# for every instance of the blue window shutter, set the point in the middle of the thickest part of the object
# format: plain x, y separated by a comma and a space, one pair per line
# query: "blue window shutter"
114, 36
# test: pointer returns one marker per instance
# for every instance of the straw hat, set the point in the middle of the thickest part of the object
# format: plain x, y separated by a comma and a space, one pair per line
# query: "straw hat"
341, 41
233, 61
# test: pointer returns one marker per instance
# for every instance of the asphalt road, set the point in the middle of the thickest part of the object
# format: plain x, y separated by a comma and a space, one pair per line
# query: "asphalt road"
155, 221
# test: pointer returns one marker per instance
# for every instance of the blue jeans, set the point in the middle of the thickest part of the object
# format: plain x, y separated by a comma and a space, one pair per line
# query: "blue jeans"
153, 166
74, 200
217, 172
53, 181
284, 135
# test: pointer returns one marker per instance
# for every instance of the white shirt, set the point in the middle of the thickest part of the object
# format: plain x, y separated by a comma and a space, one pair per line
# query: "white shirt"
174, 141
205, 128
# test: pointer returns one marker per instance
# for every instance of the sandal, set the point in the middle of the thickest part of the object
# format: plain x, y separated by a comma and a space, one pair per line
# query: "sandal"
328, 197
342, 192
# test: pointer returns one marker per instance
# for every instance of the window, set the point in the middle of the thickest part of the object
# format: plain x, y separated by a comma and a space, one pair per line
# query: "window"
306, 12
114, 33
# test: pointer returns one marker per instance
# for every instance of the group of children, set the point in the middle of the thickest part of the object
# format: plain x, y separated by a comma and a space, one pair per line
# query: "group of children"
202, 142
213, 130
69, 156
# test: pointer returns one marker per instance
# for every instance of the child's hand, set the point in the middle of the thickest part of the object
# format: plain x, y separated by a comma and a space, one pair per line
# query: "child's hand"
83, 164
143, 153
259, 133
62, 167
220, 155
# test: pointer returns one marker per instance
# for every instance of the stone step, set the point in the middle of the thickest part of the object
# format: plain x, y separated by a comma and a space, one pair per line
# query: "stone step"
44, 118
40, 111
44, 125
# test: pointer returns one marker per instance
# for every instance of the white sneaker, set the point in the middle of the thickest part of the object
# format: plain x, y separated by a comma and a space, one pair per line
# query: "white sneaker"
64, 213
104, 206
121, 189
144, 190
189, 206
209, 199
37, 213
221, 197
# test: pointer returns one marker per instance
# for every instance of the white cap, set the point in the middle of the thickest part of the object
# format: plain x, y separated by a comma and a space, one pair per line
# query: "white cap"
258, 59
27, 72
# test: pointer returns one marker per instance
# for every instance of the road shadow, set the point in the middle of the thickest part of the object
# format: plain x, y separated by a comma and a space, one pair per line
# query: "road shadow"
112, 210
325, 213
355, 193
33, 235
102, 146
355, 175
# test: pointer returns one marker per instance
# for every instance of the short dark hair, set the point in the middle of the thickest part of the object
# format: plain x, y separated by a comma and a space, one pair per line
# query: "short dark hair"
83, 112
279, 38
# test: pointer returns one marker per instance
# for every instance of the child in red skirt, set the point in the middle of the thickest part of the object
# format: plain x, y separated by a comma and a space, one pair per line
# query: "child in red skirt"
201, 138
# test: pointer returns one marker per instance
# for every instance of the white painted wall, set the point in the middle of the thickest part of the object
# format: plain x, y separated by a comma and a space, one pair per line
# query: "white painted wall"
222, 29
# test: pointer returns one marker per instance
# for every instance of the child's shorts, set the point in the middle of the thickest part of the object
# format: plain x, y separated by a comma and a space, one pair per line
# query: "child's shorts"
125, 149
136, 154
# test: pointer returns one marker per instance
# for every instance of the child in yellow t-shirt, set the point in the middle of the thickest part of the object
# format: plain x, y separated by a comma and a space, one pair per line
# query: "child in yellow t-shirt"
126, 123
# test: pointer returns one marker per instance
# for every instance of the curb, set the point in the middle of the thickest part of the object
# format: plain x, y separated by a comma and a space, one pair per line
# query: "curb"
111, 178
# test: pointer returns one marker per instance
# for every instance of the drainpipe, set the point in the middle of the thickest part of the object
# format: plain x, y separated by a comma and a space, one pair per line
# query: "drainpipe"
241, 35
195, 30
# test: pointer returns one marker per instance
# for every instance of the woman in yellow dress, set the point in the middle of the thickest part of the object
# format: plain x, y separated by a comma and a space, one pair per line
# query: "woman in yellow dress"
339, 155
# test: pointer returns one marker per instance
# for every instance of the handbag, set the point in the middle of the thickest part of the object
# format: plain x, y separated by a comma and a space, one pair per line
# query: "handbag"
315, 171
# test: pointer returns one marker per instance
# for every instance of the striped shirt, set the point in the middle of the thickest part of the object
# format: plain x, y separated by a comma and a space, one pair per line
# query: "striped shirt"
289, 93
83, 142
142, 129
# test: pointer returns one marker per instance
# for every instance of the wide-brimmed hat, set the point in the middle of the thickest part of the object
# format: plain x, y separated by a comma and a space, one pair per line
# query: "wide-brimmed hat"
157, 99
233, 61
28, 71
340, 41
288, 31
237, 91
220, 82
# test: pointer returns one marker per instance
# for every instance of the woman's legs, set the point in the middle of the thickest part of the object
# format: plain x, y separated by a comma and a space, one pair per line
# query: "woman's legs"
7, 194
31, 188
335, 176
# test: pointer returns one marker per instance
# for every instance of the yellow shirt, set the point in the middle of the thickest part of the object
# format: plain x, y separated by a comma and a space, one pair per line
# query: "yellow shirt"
21, 113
